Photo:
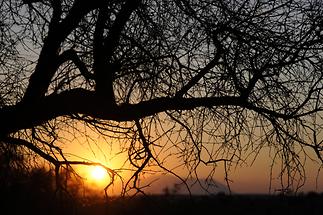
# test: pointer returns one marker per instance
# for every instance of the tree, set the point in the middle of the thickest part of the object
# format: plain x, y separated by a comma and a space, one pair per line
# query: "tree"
215, 81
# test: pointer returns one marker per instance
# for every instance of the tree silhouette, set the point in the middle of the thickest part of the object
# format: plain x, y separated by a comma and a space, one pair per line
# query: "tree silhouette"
206, 82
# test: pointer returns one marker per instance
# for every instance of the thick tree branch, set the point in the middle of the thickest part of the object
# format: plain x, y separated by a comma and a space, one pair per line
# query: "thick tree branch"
26, 115
72, 56
198, 77
104, 47
48, 58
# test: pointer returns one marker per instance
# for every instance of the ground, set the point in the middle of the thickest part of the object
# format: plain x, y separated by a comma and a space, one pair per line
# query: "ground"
45, 203
220, 204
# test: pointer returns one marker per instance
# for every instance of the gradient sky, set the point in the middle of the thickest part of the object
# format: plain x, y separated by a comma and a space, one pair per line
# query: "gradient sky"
245, 178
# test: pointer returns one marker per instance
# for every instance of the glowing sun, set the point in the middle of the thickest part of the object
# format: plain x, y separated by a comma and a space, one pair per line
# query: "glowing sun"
98, 173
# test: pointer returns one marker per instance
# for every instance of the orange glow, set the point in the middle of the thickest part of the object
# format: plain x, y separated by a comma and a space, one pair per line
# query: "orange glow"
247, 179
98, 173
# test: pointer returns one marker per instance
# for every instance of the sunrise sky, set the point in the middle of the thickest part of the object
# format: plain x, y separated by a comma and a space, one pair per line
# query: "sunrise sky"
245, 178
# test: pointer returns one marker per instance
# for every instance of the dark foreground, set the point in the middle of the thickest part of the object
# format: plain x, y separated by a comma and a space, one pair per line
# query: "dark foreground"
226, 205
311, 204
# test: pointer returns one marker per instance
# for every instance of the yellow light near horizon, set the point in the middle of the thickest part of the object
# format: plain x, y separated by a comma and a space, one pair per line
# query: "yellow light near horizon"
98, 173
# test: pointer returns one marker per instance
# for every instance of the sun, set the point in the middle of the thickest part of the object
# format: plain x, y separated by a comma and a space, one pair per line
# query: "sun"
98, 173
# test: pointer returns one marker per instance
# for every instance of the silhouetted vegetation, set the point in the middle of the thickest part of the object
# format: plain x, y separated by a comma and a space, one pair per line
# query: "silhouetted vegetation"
39, 201
35, 192
197, 83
